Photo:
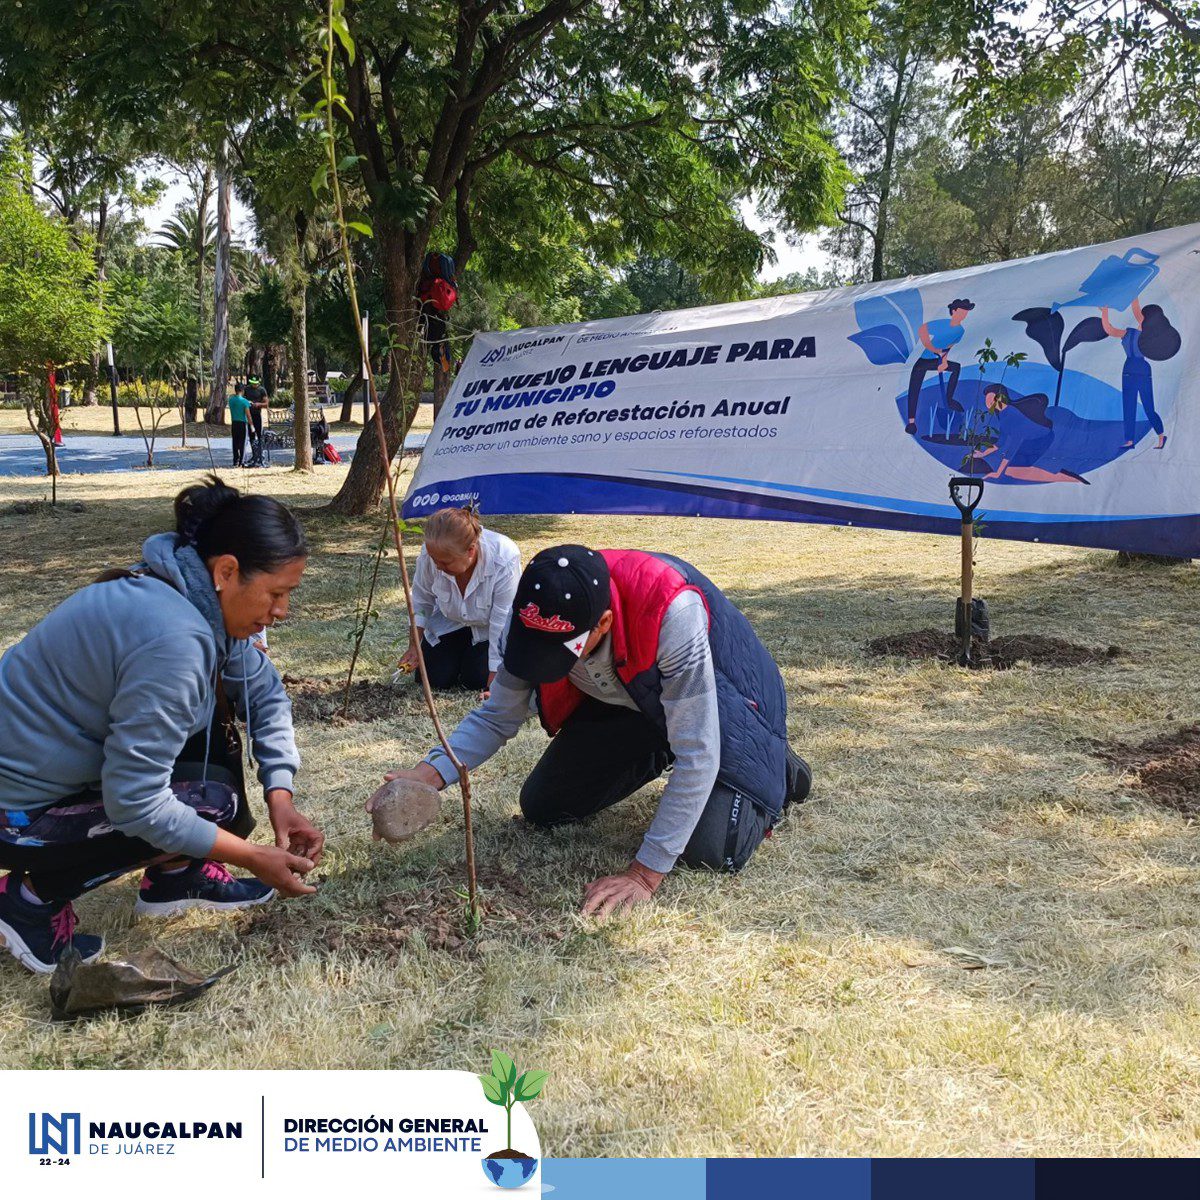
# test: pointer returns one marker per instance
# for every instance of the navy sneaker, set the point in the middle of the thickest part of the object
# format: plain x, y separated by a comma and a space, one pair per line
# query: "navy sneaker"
205, 885
799, 779
37, 934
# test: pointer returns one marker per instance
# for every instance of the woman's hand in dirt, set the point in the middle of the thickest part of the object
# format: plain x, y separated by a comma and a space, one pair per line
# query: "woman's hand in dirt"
612, 893
293, 830
422, 773
281, 869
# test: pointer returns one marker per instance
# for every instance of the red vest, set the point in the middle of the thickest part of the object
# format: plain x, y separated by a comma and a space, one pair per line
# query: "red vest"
642, 588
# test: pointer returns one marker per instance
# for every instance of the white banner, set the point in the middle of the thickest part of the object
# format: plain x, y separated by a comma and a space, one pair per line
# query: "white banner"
1068, 382
428, 1135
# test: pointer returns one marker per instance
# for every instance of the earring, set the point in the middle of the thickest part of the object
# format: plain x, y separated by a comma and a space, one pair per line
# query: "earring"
218, 587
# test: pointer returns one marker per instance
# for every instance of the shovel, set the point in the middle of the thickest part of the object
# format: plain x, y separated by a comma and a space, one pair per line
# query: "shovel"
966, 493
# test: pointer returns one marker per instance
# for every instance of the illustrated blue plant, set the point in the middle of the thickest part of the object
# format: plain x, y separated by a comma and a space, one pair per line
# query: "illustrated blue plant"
504, 1087
887, 326
1045, 326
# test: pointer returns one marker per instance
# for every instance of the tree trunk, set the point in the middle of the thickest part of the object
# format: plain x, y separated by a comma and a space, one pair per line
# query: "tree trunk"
268, 372
89, 386
895, 113
89, 391
365, 480
441, 387
38, 416
191, 398
321, 360
304, 460
220, 358
348, 397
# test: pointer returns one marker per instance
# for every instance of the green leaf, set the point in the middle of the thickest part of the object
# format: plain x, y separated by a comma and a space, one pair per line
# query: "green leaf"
361, 227
343, 33
493, 1090
350, 160
530, 1084
319, 179
503, 1068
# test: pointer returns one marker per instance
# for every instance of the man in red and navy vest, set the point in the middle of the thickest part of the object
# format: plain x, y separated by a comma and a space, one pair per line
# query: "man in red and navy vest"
638, 663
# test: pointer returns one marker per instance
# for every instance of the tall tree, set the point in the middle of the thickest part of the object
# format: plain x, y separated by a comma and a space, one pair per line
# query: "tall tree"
86, 166
50, 312
894, 102
221, 272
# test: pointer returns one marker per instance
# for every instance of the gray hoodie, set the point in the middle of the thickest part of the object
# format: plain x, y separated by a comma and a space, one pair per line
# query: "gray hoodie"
106, 689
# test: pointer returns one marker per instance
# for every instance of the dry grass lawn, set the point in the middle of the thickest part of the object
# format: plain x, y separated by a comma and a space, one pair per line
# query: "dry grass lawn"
810, 1005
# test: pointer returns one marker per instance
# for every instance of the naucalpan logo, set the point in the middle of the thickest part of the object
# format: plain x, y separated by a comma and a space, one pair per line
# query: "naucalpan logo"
62, 1134
503, 353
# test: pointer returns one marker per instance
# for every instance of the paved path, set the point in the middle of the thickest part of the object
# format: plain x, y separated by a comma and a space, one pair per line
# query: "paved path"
21, 453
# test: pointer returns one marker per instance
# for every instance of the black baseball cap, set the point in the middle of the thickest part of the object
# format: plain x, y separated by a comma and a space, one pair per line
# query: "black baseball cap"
560, 599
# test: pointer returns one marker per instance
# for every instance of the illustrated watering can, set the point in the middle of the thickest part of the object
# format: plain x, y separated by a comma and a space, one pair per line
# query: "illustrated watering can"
1116, 282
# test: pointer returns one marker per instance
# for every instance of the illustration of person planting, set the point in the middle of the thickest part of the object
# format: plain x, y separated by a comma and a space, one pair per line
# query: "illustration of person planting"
939, 338
1024, 441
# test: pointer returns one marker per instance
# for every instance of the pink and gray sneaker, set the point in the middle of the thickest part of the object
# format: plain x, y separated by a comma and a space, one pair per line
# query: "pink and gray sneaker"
203, 885
37, 934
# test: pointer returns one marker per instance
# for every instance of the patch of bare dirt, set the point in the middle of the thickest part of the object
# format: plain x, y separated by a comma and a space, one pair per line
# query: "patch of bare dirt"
1000, 654
321, 700
1166, 768
434, 915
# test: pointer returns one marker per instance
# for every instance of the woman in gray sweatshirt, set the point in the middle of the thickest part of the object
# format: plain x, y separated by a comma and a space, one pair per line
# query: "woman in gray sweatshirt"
118, 748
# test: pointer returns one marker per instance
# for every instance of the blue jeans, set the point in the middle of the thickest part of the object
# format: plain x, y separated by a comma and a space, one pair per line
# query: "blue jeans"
1137, 383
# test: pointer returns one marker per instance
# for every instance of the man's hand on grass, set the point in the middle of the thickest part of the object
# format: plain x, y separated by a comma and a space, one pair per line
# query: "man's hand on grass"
613, 893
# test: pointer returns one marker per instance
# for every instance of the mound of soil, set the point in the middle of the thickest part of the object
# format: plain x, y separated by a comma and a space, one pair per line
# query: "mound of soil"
1166, 768
1000, 654
437, 911
322, 699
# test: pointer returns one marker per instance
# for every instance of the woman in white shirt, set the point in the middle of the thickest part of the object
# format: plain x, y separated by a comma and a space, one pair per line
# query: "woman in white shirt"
463, 588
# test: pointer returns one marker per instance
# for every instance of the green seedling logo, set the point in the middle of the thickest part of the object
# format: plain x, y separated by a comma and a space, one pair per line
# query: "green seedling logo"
505, 1087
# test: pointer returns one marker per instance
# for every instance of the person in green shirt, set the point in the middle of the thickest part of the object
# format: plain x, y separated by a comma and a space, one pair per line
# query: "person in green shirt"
239, 412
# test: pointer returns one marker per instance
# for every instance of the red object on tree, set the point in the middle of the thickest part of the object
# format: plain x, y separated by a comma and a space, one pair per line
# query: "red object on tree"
53, 390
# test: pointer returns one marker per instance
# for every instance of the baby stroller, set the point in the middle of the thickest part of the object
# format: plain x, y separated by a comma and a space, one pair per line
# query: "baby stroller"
323, 450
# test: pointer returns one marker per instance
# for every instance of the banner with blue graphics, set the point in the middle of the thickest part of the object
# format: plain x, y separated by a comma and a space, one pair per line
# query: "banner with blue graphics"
1068, 382
438, 1135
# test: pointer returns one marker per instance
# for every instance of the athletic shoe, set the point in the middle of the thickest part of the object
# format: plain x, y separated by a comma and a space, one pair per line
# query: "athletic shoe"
799, 779
37, 934
205, 885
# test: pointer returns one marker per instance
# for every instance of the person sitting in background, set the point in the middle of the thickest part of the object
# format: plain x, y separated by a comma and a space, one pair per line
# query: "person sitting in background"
638, 663
463, 586
117, 743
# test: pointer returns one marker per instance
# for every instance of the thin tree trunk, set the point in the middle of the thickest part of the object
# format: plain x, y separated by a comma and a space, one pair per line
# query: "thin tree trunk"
89, 392
202, 197
304, 460
365, 480
889, 157
441, 387
220, 358
347, 414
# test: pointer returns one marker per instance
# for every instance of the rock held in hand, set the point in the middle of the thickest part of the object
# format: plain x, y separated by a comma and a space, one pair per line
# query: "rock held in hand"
402, 808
